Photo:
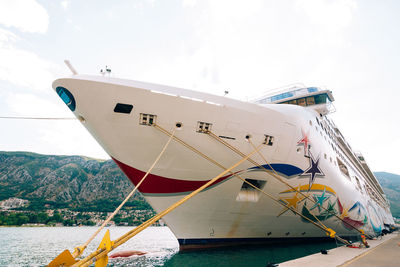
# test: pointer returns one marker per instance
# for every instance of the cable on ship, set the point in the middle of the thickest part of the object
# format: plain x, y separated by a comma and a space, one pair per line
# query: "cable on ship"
66, 256
331, 233
100, 256
35, 118
276, 176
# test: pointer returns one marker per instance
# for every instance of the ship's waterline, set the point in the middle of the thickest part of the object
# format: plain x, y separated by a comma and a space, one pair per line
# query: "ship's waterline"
41, 244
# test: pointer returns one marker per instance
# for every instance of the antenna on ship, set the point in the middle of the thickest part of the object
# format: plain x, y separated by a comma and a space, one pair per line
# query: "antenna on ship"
226, 92
107, 70
71, 68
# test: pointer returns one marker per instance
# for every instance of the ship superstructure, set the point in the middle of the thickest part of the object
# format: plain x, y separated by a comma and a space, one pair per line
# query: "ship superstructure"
323, 179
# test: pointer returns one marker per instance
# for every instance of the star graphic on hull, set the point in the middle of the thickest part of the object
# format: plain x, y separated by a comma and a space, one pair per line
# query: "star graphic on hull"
330, 210
305, 142
319, 200
313, 170
291, 202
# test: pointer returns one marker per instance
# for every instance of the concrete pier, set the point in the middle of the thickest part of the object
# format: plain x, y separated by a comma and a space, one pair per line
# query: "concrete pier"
384, 251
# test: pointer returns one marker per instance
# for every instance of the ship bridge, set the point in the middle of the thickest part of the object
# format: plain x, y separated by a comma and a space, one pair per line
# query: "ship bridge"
313, 97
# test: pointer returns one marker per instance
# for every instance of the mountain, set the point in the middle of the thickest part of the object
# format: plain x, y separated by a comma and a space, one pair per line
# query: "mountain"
391, 186
87, 184
77, 182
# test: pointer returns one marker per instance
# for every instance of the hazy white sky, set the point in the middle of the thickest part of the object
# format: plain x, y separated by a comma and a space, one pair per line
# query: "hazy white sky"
247, 47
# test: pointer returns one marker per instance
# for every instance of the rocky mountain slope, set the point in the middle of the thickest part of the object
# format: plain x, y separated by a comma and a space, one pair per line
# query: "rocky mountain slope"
391, 185
90, 184
63, 181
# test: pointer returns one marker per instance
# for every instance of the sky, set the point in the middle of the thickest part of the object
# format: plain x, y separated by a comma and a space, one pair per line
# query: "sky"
246, 47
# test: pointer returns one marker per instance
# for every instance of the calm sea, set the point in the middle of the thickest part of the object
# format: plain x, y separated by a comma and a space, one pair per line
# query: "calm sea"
37, 246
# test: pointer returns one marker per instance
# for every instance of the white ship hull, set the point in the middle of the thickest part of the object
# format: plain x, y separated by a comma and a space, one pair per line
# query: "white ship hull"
225, 212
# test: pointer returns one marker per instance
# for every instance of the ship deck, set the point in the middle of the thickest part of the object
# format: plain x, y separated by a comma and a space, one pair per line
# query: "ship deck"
382, 252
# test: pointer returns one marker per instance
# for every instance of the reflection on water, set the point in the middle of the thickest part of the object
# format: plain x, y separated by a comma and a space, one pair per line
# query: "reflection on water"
247, 255
37, 246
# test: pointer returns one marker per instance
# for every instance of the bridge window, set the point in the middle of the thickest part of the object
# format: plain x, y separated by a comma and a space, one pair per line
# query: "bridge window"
301, 102
310, 101
305, 101
281, 96
320, 99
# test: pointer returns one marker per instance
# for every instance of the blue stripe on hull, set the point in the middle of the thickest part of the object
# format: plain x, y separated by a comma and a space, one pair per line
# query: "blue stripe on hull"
286, 169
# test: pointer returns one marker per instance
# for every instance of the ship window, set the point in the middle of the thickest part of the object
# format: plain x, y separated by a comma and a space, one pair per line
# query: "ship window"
203, 127
67, 97
293, 102
282, 96
310, 101
248, 193
312, 89
343, 168
301, 102
147, 119
358, 184
269, 140
123, 108
320, 99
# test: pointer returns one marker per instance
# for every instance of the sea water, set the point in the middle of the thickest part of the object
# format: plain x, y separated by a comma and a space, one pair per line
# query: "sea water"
37, 246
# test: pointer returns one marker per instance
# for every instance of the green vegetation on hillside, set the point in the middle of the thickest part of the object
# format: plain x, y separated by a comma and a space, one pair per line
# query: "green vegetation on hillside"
73, 183
391, 186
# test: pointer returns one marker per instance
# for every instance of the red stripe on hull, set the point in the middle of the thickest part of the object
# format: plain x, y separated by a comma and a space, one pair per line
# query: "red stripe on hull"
155, 184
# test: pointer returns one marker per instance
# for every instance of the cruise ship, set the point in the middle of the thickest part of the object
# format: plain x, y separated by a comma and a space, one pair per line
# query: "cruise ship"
304, 173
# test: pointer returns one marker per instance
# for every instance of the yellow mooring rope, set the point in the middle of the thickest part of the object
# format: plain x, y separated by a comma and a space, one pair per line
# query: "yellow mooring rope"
100, 256
79, 250
276, 176
101, 253
327, 230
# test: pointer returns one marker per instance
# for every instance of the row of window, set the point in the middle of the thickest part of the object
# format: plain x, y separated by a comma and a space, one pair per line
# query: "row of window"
344, 163
308, 101
341, 160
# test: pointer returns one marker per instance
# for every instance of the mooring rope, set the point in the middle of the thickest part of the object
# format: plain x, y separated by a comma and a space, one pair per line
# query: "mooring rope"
276, 176
35, 118
100, 253
327, 230
79, 250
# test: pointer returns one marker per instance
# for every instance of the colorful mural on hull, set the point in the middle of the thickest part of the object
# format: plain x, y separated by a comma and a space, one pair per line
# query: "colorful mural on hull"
324, 205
